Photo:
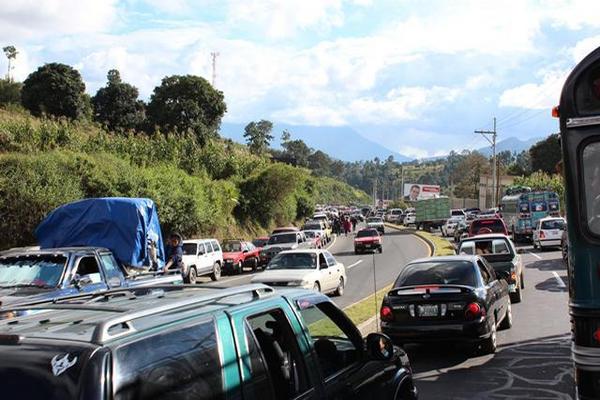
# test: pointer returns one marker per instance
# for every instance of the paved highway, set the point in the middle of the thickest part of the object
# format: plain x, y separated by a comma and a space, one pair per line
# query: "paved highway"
533, 357
398, 249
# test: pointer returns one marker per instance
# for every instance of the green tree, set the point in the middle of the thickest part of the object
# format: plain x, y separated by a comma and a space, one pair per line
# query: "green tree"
298, 150
187, 103
472, 166
320, 163
11, 54
545, 154
55, 89
258, 136
10, 92
117, 105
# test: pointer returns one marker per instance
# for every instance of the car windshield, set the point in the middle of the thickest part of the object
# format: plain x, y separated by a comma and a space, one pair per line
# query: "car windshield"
312, 226
374, 220
36, 271
367, 233
554, 224
232, 247
260, 242
485, 246
493, 225
310, 234
294, 261
189, 249
284, 238
437, 273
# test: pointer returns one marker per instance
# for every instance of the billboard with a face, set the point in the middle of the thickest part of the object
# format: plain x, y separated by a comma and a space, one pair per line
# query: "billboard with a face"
416, 191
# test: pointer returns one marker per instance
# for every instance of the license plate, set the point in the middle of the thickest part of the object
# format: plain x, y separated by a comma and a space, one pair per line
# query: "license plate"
368, 246
554, 233
428, 310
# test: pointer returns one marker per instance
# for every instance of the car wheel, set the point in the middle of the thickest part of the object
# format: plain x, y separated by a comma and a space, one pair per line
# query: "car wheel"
488, 346
507, 321
340, 288
254, 264
522, 281
517, 296
535, 246
216, 272
380, 250
317, 287
193, 276
239, 268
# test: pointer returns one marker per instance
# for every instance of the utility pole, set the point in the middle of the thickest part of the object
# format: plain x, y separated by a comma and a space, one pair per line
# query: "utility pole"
493, 134
214, 56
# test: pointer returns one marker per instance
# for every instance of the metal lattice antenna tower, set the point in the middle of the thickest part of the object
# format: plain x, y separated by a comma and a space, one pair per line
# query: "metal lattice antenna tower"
214, 56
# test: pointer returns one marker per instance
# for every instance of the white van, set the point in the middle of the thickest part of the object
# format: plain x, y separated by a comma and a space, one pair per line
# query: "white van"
202, 257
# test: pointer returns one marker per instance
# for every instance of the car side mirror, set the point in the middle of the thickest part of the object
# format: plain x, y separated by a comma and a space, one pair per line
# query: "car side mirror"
81, 281
245, 251
380, 347
520, 250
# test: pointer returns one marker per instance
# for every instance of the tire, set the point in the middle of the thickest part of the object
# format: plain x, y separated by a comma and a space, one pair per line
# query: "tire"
340, 289
522, 281
193, 276
239, 268
535, 246
507, 321
380, 250
489, 345
517, 296
254, 264
317, 287
216, 272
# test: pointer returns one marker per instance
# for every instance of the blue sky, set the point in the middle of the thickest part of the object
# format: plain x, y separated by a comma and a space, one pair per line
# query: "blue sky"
416, 76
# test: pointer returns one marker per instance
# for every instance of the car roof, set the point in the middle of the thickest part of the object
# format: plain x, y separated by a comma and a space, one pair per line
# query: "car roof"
198, 240
462, 257
487, 236
25, 251
551, 218
303, 251
105, 317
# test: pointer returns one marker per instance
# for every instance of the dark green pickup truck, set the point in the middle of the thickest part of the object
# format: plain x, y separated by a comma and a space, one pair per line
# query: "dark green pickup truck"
193, 342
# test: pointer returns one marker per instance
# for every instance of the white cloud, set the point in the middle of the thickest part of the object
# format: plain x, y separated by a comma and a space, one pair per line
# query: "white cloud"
585, 47
21, 20
544, 95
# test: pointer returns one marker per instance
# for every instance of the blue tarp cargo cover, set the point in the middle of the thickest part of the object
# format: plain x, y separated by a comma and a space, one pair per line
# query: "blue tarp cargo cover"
123, 225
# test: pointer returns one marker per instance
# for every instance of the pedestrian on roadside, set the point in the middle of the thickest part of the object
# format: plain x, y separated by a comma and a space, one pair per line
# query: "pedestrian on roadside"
347, 226
174, 253
354, 222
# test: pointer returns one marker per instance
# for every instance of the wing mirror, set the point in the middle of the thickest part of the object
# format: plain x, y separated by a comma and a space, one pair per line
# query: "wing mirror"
380, 347
81, 281
521, 250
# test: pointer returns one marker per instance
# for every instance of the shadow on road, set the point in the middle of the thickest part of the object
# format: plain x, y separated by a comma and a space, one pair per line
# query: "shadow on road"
551, 285
547, 265
536, 369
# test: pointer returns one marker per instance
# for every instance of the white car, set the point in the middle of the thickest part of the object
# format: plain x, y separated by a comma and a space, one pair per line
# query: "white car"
310, 269
376, 223
202, 257
410, 219
548, 232
450, 226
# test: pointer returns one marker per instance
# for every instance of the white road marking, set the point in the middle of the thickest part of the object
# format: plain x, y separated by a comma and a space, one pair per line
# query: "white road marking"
559, 280
535, 255
354, 265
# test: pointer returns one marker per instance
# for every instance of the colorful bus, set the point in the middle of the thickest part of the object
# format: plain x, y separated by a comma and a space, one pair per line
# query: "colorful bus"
579, 113
522, 210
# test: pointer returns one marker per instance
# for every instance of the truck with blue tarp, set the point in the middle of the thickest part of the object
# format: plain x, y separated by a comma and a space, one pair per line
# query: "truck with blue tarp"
87, 246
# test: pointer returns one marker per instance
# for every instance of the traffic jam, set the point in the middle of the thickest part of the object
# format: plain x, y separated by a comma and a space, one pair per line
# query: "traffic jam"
422, 295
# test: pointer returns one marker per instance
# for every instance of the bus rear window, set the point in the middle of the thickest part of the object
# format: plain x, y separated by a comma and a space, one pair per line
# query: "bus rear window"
524, 207
591, 187
539, 206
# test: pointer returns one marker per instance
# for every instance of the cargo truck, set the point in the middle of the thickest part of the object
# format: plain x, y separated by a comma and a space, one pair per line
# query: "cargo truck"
432, 213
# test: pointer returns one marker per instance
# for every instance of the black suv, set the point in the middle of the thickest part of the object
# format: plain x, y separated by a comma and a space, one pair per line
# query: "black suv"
248, 342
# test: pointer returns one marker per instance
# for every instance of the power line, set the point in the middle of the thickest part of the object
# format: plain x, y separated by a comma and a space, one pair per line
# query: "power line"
492, 141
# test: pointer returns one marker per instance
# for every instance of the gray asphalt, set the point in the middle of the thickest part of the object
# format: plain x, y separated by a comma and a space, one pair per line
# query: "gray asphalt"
533, 357
398, 249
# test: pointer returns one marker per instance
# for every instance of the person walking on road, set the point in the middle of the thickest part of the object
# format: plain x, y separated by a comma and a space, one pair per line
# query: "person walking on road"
174, 253
347, 226
354, 222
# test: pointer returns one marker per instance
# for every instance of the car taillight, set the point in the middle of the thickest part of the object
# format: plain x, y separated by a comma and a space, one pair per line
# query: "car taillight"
513, 276
542, 235
386, 314
474, 311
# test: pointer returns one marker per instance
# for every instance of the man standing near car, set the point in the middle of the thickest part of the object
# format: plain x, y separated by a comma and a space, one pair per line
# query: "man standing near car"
174, 253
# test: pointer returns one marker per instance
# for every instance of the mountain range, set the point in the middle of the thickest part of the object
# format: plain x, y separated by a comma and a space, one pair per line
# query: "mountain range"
344, 143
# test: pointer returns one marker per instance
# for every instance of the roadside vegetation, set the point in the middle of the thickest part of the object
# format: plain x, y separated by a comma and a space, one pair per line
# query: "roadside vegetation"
57, 145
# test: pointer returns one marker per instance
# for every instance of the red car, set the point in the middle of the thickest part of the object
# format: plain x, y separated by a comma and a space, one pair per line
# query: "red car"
366, 240
238, 254
259, 243
487, 225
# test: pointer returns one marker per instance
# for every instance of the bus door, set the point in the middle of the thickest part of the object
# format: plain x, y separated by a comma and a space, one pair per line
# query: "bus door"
579, 112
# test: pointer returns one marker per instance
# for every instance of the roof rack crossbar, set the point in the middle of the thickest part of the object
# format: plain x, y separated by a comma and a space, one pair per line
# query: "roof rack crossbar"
102, 331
